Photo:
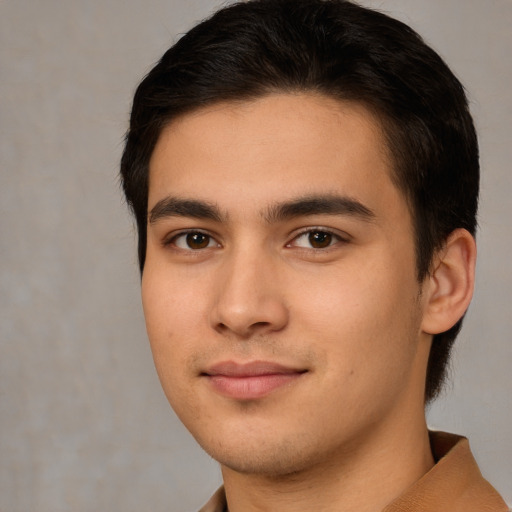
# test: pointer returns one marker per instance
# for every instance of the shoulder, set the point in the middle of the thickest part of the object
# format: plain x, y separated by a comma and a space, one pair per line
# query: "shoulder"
454, 484
217, 503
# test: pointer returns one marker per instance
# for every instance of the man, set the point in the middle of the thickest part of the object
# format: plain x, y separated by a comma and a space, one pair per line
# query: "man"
304, 176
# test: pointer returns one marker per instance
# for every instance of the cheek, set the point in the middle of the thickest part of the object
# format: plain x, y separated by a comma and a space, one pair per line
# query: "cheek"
172, 302
365, 323
349, 301
171, 313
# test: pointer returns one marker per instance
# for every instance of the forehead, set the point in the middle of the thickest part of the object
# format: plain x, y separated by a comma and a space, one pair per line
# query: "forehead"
266, 149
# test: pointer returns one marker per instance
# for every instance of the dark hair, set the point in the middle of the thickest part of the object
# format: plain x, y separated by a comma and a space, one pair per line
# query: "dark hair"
344, 51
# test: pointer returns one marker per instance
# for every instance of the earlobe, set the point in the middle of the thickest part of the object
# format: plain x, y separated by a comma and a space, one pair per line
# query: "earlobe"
451, 283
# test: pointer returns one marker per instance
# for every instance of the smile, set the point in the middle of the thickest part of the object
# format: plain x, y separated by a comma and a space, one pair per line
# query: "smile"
250, 381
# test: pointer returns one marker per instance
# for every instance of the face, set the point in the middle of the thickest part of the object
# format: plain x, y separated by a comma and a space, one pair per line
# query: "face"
279, 288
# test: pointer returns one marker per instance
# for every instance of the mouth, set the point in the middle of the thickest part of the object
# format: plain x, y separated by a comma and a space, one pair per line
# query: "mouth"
250, 381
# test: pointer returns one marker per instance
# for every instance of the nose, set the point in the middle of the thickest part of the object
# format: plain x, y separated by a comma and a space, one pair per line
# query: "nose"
250, 299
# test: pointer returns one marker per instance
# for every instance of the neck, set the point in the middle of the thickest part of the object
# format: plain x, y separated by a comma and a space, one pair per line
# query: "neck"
366, 479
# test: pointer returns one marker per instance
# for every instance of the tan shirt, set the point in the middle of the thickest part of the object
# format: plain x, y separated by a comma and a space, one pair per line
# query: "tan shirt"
454, 484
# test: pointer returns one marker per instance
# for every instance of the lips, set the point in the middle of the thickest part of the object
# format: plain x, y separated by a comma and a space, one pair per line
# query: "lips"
252, 380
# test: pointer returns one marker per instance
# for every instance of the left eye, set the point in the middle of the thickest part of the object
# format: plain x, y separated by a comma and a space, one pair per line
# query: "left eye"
194, 241
316, 239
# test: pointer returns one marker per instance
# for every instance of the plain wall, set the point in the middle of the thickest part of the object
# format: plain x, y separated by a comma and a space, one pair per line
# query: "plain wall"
84, 424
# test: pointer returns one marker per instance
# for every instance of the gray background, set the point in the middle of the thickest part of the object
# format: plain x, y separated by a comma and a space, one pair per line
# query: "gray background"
84, 424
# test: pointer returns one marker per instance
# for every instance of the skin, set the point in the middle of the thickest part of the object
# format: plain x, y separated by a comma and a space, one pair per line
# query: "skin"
236, 278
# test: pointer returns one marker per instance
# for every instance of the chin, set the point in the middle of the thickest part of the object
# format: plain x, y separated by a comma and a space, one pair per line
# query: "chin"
265, 457
273, 465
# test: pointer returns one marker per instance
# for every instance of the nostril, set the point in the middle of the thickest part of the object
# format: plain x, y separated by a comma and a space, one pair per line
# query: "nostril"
260, 324
242, 327
249, 314
246, 330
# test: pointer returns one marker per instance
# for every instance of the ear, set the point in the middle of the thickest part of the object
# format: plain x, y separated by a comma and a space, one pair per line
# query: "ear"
449, 288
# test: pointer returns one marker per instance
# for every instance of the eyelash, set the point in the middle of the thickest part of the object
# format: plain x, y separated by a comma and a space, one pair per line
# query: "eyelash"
334, 240
171, 240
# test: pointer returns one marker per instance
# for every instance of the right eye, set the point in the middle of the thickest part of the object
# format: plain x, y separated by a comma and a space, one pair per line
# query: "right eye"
193, 241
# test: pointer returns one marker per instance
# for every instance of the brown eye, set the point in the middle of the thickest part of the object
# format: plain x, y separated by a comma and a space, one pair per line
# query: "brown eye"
198, 240
194, 241
317, 239
320, 239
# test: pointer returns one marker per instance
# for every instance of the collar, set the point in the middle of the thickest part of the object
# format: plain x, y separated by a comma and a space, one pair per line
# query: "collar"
454, 484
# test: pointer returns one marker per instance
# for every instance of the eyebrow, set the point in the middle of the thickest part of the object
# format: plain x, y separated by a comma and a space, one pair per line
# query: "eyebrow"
175, 207
301, 207
319, 205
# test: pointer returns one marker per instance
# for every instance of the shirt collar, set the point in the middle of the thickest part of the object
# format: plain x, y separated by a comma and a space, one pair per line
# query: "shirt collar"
454, 484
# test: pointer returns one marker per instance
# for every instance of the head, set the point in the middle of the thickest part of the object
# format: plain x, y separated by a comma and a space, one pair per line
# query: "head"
341, 51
